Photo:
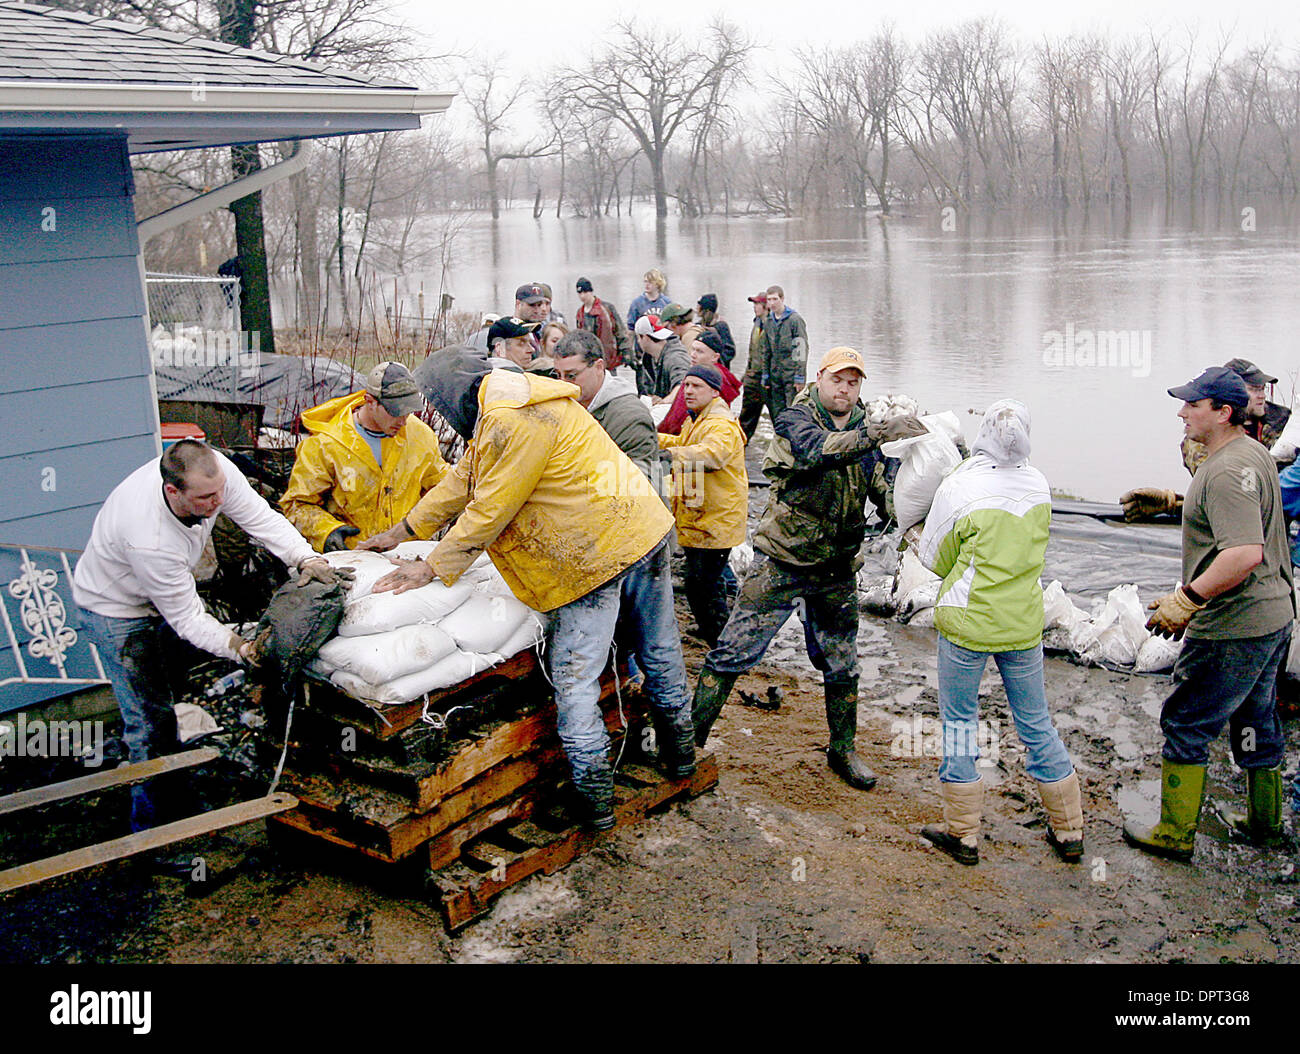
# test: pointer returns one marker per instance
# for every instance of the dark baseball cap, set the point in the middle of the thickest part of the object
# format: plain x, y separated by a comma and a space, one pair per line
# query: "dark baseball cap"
392, 384
709, 302
585, 286
532, 293
673, 312
511, 327
1218, 383
1249, 372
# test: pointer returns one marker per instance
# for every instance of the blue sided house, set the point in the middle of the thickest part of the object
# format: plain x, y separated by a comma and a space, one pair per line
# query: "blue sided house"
79, 95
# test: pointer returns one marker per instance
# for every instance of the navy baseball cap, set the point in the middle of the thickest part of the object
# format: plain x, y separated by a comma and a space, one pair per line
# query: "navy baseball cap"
1218, 383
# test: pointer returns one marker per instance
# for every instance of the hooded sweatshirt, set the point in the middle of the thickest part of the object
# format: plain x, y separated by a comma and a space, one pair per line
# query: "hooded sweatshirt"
621, 413
558, 507
986, 536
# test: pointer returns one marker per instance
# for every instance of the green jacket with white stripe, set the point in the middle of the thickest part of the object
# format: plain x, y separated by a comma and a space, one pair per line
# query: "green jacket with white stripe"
986, 537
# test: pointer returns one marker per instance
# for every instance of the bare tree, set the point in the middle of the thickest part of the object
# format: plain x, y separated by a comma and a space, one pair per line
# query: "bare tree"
492, 103
657, 85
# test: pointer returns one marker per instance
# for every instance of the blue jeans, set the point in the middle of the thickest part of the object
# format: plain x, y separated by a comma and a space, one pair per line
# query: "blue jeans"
1232, 682
960, 671
134, 654
581, 634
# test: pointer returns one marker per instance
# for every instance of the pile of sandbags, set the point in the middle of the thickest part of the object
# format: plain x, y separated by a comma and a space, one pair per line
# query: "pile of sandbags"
392, 648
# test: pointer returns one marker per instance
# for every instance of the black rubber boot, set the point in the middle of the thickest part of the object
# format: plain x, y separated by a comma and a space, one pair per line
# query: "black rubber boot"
711, 692
675, 737
594, 791
842, 720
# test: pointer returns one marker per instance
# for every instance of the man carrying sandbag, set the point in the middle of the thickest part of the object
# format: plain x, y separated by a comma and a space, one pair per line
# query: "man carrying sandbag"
575, 530
366, 462
806, 558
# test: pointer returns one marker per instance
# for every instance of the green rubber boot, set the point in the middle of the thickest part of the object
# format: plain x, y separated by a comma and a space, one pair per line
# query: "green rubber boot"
1182, 792
1262, 824
842, 721
711, 692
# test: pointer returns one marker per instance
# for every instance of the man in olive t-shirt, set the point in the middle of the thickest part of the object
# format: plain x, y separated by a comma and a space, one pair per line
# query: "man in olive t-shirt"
1236, 609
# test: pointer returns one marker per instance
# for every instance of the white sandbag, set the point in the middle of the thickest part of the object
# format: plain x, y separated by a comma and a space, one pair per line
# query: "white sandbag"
1293, 654
925, 460
1120, 628
924, 618
380, 612
456, 667
876, 593
381, 657
485, 622
911, 575
1158, 653
367, 567
923, 596
887, 407
193, 721
1288, 443
413, 550
1059, 611
528, 635
741, 558
659, 411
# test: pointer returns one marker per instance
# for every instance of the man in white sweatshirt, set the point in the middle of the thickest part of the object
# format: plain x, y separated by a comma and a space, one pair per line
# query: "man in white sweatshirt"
136, 590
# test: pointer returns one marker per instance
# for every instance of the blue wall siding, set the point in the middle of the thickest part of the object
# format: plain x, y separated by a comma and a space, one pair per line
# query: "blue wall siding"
75, 372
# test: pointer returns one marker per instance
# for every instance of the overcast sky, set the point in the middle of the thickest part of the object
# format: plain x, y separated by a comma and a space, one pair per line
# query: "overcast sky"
537, 35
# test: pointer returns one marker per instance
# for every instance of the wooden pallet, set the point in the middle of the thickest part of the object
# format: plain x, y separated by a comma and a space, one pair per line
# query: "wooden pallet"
526, 839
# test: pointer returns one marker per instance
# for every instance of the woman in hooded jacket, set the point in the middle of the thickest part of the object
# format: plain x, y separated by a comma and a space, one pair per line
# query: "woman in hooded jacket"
986, 537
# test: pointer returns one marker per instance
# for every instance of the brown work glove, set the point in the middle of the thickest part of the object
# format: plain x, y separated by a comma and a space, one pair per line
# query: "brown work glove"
252, 651
904, 427
1173, 612
1145, 502
318, 570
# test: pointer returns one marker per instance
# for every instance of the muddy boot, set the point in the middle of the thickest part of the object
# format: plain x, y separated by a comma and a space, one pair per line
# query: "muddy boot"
711, 692
1064, 817
594, 793
1262, 824
842, 720
1182, 790
675, 738
959, 834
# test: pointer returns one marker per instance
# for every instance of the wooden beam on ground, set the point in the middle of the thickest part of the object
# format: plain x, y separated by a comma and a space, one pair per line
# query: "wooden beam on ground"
135, 772
144, 841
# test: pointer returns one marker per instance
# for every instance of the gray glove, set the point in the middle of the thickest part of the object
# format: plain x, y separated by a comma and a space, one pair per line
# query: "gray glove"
338, 539
904, 427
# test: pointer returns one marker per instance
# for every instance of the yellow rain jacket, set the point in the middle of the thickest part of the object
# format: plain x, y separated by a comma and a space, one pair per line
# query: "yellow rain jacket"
336, 483
558, 507
710, 484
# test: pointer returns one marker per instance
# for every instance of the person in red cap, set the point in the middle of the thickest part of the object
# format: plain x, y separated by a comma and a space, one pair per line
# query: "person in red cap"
1234, 612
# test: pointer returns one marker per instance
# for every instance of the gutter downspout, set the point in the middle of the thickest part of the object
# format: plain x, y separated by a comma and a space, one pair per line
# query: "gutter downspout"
219, 197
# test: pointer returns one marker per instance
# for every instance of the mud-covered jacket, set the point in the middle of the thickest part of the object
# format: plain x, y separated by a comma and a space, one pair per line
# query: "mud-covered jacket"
1266, 430
986, 536
558, 507
821, 479
710, 485
785, 348
336, 482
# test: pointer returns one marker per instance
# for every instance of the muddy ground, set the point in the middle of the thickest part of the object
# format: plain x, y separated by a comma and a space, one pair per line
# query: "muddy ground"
781, 863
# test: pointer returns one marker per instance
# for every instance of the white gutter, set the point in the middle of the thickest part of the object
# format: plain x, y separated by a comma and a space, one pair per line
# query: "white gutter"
224, 195
198, 96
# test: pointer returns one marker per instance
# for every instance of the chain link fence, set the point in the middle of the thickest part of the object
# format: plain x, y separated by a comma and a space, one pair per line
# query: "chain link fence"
210, 302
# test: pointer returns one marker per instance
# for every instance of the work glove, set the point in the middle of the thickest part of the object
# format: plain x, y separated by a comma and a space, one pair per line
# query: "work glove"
338, 539
1173, 612
318, 570
904, 427
251, 651
1145, 502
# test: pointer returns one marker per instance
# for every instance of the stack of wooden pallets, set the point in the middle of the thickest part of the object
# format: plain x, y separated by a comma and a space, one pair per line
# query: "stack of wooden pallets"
462, 793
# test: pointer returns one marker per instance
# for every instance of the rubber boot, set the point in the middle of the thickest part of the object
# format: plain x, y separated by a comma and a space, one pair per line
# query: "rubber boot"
675, 738
711, 692
842, 720
595, 794
959, 834
1064, 808
1262, 824
1182, 792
